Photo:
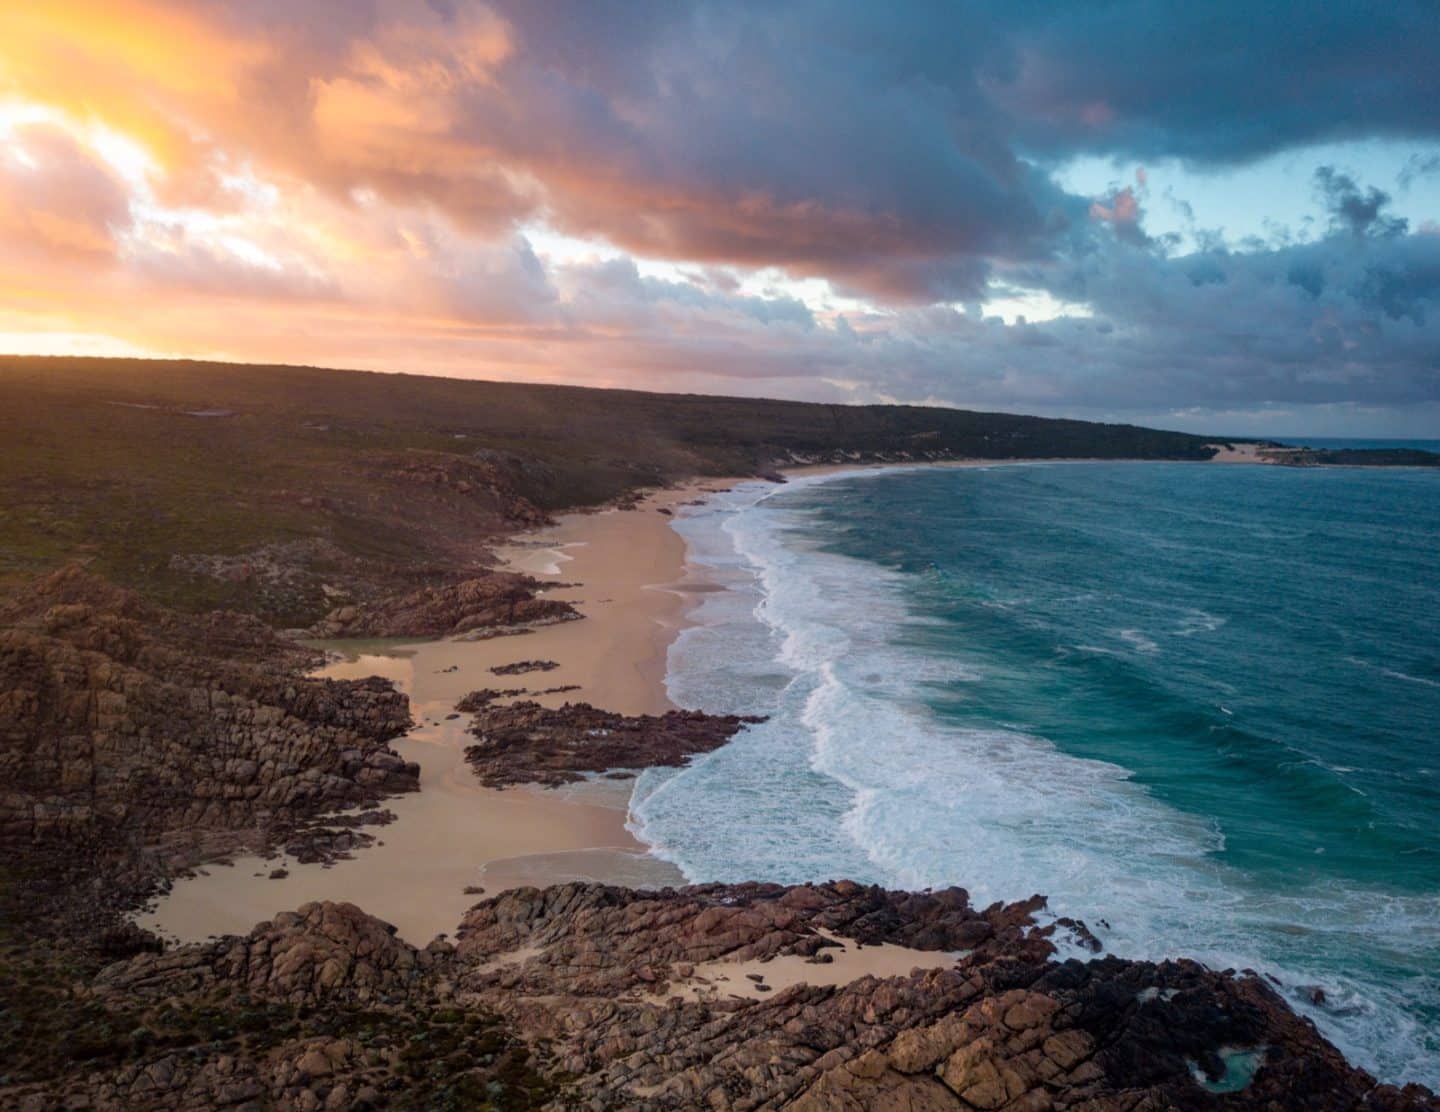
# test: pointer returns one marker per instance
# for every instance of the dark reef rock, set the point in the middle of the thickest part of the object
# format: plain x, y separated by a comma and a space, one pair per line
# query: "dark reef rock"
478, 700
525, 742
522, 666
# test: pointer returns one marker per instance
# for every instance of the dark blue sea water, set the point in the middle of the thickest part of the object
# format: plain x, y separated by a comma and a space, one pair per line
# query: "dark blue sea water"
1196, 706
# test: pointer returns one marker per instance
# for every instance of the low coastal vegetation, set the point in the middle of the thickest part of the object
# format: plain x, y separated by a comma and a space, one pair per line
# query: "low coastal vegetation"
208, 484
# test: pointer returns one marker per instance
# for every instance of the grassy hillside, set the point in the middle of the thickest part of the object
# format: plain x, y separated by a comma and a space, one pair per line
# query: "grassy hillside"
127, 463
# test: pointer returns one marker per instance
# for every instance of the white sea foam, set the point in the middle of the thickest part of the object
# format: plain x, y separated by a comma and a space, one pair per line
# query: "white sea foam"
1393, 673
1137, 640
854, 775
540, 559
1197, 621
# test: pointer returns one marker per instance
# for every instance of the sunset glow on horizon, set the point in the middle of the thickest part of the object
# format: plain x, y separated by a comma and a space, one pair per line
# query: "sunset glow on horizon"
823, 201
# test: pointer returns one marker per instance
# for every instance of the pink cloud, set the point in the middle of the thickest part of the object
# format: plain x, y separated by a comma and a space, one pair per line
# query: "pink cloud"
56, 198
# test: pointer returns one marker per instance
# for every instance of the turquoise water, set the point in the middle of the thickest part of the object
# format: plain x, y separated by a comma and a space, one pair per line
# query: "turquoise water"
1197, 706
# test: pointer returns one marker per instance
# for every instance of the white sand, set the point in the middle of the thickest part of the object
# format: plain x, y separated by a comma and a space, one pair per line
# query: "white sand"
1238, 452
850, 961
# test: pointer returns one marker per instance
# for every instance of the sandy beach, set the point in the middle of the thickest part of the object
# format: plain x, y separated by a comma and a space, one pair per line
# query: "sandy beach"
456, 842
624, 570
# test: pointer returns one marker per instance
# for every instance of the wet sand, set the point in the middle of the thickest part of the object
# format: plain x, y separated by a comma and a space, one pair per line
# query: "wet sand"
624, 569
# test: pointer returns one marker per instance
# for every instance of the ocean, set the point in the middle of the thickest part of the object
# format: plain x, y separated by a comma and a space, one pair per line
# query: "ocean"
1196, 706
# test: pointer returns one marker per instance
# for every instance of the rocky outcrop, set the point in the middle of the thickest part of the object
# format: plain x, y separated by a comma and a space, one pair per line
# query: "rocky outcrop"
524, 742
484, 477
134, 733
135, 741
495, 600
319, 1008
593, 969
476, 701
322, 953
520, 667
1351, 457
564, 998
600, 940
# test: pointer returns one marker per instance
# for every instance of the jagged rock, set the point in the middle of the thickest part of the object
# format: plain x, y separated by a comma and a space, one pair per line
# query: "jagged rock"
578, 972
133, 734
152, 740
524, 742
1004, 1027
322, 952
596, 936
521, 666
491, 600
476, 700
319, 1008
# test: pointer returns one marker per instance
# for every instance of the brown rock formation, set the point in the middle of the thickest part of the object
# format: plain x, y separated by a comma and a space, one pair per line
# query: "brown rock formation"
524, 742
490, 600
323, 952
320, 1008
325, 1007
135, 740
1004, 1027
134, 733
477, 700
522, 666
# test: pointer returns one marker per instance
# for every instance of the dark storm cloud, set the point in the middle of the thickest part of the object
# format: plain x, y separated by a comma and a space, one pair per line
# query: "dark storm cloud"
900, 151
885, 147
1356, 210
835, 141
1222, 81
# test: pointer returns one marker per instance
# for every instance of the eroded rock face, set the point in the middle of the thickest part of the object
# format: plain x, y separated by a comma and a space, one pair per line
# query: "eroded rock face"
1003, 1027
322, 952
524, 742
319, 1008
488, 601
130, 731
581, 974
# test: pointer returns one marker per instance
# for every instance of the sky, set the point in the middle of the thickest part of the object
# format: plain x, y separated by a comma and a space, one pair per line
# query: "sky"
1220, 217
